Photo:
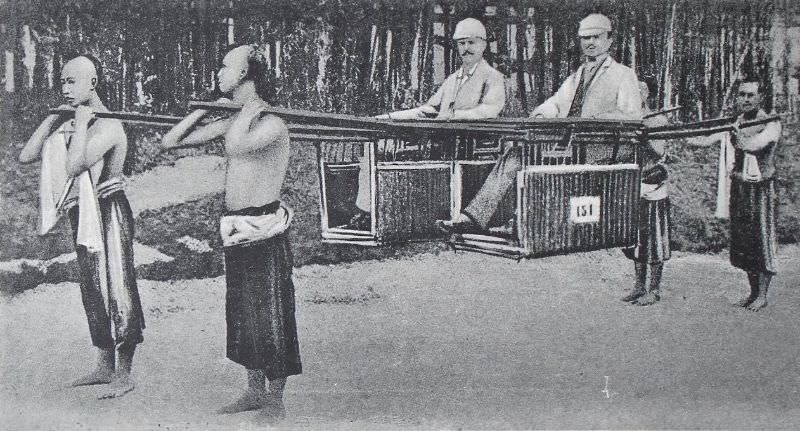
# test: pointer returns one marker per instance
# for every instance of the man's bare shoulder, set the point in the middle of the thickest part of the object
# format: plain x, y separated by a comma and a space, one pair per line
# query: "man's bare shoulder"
265, 132
270, 126
272, 120
109, 128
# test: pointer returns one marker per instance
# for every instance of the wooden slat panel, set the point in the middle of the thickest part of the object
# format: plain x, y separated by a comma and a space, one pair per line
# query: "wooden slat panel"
410, 201
547, 227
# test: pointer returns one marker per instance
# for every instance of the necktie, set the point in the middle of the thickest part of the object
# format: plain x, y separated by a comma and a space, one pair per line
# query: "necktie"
586, 78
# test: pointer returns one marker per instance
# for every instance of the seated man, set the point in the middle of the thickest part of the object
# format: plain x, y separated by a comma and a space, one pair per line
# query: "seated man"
475, 91
600, 88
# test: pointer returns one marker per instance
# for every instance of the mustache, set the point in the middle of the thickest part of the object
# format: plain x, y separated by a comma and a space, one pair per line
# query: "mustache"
467, 53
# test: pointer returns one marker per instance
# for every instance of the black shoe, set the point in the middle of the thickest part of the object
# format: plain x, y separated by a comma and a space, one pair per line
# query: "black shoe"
360, 221
505, 231
458, 227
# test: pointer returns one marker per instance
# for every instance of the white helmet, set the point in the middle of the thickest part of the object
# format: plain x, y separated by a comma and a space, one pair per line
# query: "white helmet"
469, 27
594, 24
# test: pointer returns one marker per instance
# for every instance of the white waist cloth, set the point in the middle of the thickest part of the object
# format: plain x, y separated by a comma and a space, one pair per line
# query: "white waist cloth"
243, 229
654, 192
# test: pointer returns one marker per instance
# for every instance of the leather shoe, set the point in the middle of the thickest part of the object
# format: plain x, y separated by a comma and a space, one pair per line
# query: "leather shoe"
506, 230
360, 221
458, 227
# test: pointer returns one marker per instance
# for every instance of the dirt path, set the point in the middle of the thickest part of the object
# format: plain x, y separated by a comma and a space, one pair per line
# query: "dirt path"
190, 178
438, 341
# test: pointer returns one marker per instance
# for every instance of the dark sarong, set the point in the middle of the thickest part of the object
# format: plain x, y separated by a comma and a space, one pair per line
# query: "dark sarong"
652, 244
259, 303
108, 280
752, 225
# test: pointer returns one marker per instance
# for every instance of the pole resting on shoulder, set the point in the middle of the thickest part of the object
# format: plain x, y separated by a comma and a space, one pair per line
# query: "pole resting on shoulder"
704, 128
380, 127
137, 118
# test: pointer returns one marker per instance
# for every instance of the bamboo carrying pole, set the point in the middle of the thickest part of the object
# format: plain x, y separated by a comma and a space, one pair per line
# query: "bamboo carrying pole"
352, 121
127, 117
662, 112
703, 128
311, 125
297, 131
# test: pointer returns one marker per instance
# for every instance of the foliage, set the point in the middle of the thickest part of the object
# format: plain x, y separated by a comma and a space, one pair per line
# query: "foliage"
320, 53
324, 56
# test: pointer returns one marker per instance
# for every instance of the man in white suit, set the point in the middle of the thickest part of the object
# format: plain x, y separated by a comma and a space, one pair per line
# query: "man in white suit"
475, 91
600, 88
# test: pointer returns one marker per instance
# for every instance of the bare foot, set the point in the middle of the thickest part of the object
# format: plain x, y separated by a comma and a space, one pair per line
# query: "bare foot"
272, 412
648, 298
251, 400
100, 376
121, 385
745, 302
758, 304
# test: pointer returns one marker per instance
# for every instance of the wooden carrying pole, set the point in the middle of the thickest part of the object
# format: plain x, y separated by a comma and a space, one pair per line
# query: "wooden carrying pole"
127, 117
703, 128
368, 123
297, 131
662, 112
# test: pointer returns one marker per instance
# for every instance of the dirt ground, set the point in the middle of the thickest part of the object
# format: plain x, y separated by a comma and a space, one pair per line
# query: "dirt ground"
443, 341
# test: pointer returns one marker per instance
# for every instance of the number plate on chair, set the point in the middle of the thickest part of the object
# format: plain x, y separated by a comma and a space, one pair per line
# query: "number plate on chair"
584, 209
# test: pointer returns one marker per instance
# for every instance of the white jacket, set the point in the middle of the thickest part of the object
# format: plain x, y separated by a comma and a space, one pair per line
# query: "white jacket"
613, 94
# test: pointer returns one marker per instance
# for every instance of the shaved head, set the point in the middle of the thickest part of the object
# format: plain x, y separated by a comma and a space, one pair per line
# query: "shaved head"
234, 68
78, 80
242, 64
80, 66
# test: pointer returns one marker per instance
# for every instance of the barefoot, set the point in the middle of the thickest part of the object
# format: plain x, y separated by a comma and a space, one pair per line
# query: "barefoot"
121, 385
633, 296
758, 304
272, 412
745, 302
251, 400
647, 299
100, 376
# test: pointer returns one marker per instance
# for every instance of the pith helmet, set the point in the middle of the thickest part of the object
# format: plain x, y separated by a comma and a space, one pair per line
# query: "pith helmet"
594, 24
469, 27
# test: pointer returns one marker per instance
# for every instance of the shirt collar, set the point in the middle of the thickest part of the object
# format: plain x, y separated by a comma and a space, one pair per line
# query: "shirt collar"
598, 61
472, 70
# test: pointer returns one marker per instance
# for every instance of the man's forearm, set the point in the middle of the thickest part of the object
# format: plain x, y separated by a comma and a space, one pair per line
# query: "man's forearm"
33, 148
174, 138
479, 112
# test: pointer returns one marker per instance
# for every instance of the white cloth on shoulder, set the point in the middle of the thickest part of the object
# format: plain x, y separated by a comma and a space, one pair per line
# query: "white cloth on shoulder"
724, 169
54, 182
55, 186
243, 229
